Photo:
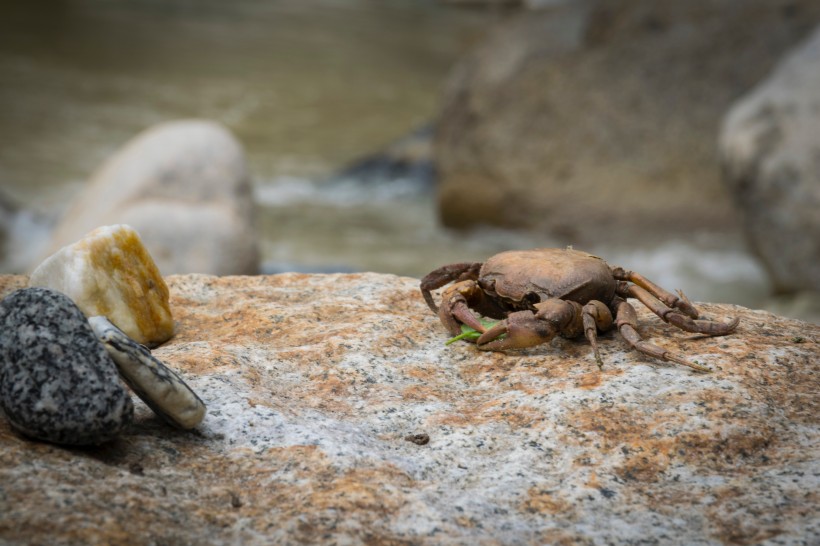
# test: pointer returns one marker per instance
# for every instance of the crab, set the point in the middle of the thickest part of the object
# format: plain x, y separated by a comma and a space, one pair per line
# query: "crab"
538, 294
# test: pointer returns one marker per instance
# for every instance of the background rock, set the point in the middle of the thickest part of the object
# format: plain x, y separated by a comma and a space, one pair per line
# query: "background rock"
771, 154
603, 115
313, 382
184, 186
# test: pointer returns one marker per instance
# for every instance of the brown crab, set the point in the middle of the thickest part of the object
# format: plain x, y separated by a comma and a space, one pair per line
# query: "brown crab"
546, 292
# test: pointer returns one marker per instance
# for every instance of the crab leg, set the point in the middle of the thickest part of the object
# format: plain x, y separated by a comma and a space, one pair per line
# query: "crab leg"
626, 320
596, 316
680, 302
707, 327
444, 275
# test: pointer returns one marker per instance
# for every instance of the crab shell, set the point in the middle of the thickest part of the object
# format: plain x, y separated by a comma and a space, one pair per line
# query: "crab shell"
526, 277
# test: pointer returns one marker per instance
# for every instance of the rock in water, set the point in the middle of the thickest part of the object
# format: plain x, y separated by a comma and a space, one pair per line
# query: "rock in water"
185, 186
770, 145
109, 272
57, 383
565, 111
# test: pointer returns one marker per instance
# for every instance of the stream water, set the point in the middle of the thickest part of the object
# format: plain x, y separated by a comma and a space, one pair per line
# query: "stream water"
308, 86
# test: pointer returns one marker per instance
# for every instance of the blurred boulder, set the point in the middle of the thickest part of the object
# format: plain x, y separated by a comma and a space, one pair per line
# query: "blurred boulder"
770, 148
601, 116
184, 186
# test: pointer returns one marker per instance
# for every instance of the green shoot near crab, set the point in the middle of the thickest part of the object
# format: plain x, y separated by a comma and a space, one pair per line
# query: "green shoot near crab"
470, 333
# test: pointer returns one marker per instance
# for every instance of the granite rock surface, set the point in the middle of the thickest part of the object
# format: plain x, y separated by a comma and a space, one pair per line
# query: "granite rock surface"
57, 382
337, 415
109, 272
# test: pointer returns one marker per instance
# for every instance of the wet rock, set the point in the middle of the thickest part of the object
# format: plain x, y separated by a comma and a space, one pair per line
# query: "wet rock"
602, 116
770, 145
403, 168
109, 272
184, 186
57, 382
314, 382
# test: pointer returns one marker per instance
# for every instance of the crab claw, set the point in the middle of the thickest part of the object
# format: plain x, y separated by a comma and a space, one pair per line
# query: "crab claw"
521, 329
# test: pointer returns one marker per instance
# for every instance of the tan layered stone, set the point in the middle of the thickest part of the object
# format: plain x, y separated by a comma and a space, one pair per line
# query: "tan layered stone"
314, 382
109, 272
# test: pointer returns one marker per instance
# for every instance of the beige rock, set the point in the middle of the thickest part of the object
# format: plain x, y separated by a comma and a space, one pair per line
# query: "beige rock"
109, 272
314, 382
184, 185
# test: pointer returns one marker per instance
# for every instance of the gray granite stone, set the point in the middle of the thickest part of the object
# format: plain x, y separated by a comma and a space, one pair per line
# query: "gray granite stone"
57, 382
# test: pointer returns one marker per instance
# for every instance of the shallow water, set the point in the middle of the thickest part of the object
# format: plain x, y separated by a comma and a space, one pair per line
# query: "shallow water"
308, 87
396, 231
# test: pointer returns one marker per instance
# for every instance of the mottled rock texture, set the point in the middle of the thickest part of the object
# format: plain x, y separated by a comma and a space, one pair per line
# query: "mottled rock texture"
314, 383
184, 186
109, 272
57, 382
605, 114
771, 153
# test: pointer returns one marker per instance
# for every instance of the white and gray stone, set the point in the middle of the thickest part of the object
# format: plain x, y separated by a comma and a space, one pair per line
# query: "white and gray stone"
57, 383
158, 386
770, 145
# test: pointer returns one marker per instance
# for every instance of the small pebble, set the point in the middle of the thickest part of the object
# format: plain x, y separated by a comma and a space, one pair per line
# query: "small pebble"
236, 502
418, 439
57, 382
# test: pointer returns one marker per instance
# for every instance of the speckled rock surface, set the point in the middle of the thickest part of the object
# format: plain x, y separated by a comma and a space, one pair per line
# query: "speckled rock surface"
57, 382
109, 272
314, 382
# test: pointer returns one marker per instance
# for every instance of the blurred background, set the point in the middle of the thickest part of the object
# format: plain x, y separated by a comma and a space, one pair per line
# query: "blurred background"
400, 135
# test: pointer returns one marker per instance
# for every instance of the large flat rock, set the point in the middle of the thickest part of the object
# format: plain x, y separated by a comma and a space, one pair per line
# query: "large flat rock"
313, 382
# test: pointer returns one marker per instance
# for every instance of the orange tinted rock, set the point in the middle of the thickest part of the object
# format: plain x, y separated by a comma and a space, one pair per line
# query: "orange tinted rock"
314, 383
109, 272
